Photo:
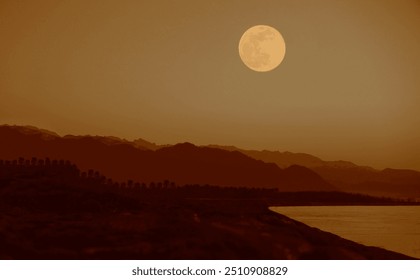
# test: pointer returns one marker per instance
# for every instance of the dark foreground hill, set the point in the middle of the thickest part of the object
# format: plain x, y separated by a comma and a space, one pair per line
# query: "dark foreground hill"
182, 163
50, 211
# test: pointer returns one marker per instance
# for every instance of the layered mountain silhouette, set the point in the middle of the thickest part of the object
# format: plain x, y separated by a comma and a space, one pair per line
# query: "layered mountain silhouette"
346, 175
186, 163
182, 163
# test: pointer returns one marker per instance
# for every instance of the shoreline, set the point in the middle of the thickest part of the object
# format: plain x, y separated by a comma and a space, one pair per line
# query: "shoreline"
357, 224
175, 230
382, 253
56, 214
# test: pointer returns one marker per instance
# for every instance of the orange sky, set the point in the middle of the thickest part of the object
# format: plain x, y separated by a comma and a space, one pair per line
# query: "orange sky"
169, 71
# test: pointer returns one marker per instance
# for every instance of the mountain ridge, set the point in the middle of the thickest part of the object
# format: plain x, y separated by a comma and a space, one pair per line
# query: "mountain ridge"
343, 175
182, 163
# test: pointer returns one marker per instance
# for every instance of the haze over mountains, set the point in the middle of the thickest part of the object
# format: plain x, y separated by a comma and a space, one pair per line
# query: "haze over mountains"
346, 175
185, 163
181, 163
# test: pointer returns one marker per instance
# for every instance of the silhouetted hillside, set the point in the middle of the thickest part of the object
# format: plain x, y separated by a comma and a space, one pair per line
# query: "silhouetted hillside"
143, 144
183, 163
145, 161
286, 159
388, 182
345, 175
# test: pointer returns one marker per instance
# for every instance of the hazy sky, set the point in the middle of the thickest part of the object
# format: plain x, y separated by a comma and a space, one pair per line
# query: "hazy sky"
169, 71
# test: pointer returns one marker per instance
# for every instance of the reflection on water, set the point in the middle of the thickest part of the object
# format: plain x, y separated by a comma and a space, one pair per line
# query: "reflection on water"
395, 228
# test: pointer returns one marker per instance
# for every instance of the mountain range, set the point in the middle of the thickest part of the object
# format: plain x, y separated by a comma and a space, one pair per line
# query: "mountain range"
186, 163
346, 175
182, 163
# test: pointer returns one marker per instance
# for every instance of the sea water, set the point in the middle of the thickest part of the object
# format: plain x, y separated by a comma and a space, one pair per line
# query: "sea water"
396, 228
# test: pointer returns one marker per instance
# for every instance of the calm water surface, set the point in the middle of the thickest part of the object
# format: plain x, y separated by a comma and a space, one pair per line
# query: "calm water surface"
395, 228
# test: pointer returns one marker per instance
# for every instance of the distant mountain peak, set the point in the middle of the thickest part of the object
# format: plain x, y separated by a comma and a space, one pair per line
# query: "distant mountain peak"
32, 130
185, 145
107, 140
146, 145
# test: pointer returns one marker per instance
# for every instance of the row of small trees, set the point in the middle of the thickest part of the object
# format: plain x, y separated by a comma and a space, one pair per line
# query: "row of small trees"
68, 171
35, 162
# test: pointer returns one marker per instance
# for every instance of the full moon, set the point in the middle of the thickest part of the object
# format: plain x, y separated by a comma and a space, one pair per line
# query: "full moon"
262, 48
